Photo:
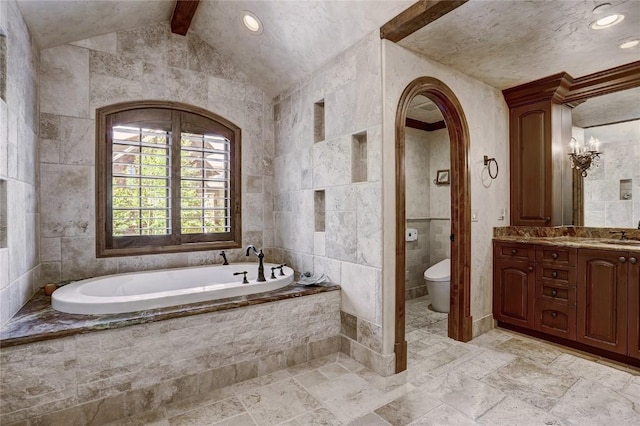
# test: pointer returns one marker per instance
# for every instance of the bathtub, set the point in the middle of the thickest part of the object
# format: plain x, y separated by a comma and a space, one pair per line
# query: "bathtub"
139, 291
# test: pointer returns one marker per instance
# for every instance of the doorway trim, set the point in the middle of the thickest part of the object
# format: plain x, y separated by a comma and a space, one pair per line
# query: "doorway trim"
460, 321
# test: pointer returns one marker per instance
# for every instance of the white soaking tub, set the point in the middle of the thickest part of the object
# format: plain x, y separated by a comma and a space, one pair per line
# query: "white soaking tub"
139, 291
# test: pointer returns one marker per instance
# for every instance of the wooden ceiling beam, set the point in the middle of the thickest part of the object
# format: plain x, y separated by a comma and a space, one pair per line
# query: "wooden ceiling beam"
416, 17
423, 125
182, 15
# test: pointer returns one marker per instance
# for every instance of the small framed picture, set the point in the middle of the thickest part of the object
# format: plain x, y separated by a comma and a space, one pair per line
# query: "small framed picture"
442, 177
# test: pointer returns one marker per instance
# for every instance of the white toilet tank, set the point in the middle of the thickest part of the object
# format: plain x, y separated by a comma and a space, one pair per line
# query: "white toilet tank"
438, 279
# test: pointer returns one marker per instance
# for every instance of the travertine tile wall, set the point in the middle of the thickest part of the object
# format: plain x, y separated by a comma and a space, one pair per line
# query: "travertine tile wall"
107, 375
428, 205
349, 250
142, 63
19, 261
620, 147
487, 117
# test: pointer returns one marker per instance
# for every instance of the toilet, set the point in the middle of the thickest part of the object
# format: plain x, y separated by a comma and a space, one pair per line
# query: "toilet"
438, 278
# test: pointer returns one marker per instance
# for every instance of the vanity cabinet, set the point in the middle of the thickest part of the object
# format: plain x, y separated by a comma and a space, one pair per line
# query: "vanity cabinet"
555, 305
589, 298
609, 299
539, 132
514, 284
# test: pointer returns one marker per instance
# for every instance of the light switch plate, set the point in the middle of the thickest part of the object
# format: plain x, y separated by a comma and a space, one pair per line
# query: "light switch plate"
474, 215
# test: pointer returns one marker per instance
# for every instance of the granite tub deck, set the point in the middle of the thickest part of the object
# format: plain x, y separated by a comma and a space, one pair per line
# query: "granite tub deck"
37, 320
112, 367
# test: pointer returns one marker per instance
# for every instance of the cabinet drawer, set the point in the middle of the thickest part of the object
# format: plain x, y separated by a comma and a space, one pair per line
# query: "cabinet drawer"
550, 255
556, 319
514, 251
556, 293
557, 274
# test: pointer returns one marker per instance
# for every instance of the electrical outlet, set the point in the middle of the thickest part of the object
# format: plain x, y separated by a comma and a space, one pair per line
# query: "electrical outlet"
474, 215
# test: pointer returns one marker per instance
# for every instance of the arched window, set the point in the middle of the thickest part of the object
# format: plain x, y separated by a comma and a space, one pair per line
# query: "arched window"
167, 179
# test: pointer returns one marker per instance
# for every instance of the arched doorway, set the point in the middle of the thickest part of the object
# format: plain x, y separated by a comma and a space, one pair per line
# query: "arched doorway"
460, 322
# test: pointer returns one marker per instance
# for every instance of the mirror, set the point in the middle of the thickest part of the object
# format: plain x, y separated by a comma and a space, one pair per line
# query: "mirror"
609, 196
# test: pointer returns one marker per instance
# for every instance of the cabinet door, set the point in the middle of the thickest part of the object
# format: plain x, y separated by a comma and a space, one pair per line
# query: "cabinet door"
602, 299
514, 292
633, 305
530, 128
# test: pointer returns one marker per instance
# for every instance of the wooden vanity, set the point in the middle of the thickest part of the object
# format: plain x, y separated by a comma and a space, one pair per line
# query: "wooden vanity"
578, 292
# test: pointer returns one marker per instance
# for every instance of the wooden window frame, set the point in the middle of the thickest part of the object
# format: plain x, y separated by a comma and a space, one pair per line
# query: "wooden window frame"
109, 246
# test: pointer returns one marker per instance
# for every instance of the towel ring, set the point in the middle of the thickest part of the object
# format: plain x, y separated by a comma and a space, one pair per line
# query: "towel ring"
487, 162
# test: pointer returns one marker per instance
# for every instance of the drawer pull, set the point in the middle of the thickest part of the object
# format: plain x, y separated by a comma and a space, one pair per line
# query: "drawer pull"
514, 251
622, 259
554, 293
633, 260
554, 274
554, 255
554, 315
530, 268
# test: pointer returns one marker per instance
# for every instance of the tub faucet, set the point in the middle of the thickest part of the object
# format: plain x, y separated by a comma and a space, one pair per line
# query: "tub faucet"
260, 255
224, 256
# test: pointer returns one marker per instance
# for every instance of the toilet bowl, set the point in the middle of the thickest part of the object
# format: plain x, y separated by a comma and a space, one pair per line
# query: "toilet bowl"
438, 279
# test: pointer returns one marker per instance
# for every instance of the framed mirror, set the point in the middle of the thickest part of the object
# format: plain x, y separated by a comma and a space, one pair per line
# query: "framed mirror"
609, 196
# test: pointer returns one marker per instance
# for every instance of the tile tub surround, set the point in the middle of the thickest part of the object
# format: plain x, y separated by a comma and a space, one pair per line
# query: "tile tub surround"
38, 321
114, 373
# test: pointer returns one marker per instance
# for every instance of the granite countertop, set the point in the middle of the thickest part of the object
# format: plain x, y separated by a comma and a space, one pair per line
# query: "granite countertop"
38, 321
576, 242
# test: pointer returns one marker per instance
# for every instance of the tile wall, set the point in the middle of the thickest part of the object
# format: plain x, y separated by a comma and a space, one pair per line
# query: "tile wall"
142, 63
342, 235
19, 257
428, 205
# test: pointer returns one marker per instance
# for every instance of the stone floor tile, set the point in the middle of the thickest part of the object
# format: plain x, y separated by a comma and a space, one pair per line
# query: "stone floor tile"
534, 350
349, 363
466, 394
603, 374
278, 402
332, 371
536, 384
151, 418
408, 408
443, 415
590, 403
632, 389
209, 414
241, 420
321, 416
349, 396
492, 360
371, 419
258, 382
311, 378
513, 412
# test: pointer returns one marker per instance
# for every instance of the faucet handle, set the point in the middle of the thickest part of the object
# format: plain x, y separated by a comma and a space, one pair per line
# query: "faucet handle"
244, 278
273, 275
224, 256
621, 232
280, 267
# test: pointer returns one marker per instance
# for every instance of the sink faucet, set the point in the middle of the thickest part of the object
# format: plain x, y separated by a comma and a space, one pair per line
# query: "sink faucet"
260, 255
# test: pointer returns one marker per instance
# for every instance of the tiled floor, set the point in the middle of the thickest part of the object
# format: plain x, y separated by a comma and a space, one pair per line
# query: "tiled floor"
499, 378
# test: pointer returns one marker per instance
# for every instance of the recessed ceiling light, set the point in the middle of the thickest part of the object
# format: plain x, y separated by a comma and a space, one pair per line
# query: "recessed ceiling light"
629, 44
251, 22
607, 21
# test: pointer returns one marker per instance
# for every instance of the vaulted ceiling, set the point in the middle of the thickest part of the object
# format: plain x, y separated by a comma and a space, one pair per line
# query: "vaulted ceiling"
298, 37
501, 42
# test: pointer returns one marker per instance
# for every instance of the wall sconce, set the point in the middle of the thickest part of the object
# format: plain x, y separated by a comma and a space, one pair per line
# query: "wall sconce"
582, 156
